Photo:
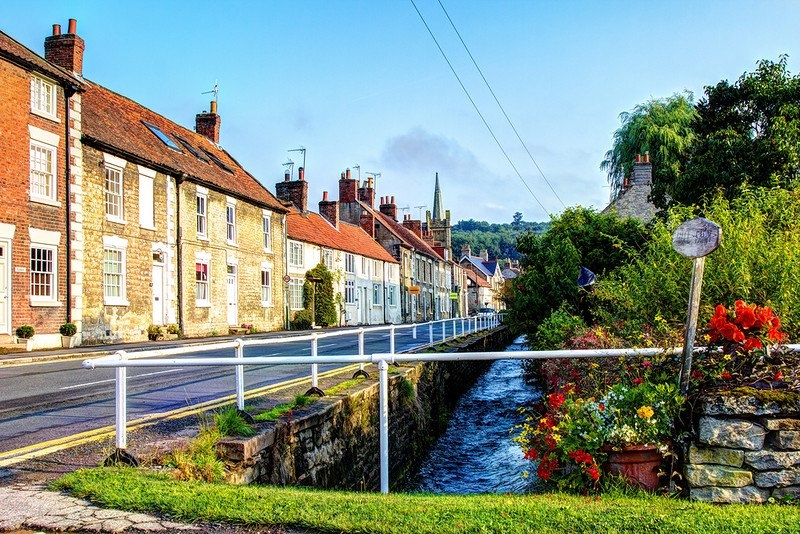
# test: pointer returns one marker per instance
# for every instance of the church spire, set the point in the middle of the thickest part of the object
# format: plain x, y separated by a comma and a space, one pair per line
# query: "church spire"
438, 213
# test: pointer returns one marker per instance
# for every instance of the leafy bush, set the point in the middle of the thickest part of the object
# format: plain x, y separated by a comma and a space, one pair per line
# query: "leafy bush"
173, 329
68, 329
301, 320
25, 331
199, 459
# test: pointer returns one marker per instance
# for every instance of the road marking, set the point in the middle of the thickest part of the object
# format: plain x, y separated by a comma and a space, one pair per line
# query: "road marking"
113, 379
47, 447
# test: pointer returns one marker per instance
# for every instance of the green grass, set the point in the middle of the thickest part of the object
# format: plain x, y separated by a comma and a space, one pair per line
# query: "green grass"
274, 413
328, 511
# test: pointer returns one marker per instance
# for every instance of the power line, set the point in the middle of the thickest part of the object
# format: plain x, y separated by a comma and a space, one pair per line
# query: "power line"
478, 111
500, 105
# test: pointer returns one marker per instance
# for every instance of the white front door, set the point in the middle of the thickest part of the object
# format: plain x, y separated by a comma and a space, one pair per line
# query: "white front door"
158, 294
5, 289
233, 297
364, 306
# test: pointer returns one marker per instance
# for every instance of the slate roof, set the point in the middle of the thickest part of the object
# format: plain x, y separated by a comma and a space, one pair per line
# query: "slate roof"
477, 262
633, 203
314, 228
115, 123
23, 56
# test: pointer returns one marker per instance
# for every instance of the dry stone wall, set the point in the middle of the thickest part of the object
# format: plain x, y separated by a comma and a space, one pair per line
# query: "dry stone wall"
334, 442
747, 447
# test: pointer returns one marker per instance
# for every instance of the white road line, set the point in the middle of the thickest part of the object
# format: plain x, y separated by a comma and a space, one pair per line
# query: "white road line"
112, 379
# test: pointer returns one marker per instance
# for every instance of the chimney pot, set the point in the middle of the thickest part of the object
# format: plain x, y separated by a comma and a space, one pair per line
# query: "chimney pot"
73, 25
56, 29
347, 174
301, 172
392, 202
65, 50
324, 196
638, 158
214, 107
342, 177
286, 176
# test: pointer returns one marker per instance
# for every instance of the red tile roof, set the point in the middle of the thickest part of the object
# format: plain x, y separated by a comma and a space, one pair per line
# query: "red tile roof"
480, 282
20, 54
115, 123
314, 228
404, 234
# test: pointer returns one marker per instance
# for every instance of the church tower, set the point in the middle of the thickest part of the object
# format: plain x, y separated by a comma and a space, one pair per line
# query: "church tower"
438, 223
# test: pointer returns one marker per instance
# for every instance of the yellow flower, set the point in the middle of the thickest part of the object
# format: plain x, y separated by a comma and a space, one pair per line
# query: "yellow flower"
645, 412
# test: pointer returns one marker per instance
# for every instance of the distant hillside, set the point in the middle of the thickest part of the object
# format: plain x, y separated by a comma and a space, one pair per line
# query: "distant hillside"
499, 239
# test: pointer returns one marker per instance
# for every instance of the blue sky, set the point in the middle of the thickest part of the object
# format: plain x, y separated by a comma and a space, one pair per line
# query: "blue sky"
362, 83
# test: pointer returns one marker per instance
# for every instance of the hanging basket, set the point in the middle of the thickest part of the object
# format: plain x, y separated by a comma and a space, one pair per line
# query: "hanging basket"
637, 464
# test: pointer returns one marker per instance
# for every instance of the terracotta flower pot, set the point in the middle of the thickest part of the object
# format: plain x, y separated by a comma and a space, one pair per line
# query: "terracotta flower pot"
637, 464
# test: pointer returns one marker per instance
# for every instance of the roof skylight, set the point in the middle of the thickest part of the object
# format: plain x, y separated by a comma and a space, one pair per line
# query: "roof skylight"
162, 136
199, 155
218, 161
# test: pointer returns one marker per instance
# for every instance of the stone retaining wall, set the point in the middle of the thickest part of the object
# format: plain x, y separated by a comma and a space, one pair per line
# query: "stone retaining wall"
746, 447
334, 442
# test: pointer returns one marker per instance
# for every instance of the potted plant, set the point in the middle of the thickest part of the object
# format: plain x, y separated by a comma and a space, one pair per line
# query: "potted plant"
68, 331
173, 331
154, 332
26, 332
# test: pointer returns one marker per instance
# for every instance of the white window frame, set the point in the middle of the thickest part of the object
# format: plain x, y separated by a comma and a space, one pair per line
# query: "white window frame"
349, 263
349, 291
118, 246
266, 227
202, 258
376, 294
201, 209
266, 286
296, 294
48, 241
44, 97
46, 143
230, 220
327, 258
114, 199
295, 254
390, 298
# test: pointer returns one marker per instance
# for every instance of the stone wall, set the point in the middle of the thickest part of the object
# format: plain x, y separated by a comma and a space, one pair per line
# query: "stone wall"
746, 447
334, 442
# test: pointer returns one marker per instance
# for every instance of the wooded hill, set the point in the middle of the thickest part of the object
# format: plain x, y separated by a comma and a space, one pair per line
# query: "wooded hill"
500, 240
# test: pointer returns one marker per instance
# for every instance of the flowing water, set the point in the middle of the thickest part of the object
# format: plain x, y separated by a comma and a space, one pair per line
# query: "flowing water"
475, 454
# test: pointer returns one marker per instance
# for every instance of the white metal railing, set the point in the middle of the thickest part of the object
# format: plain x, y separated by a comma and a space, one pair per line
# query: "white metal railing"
121, 360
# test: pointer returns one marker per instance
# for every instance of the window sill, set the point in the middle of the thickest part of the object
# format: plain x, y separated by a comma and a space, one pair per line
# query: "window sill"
267, 304
115, 220
117, 302
45, 303
46, 201
202, 304
232, 243
44, 115
202, 237
151, 228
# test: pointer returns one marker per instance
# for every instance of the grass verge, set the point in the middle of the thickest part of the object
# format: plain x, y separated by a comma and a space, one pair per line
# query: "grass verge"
329, 511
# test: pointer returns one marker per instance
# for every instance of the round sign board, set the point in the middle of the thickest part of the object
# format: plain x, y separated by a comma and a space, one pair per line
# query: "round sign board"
287, 279
696, 238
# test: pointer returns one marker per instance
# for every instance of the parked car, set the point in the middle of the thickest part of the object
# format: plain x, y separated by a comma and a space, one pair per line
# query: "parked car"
486, 311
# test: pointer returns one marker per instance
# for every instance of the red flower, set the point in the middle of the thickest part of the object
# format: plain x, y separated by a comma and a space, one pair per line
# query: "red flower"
601, 406
745, 315
550, 443
593, 473
697, 374
725, 375
555, 400
778, 377
752, 343
647, 364
637, 381
532, 454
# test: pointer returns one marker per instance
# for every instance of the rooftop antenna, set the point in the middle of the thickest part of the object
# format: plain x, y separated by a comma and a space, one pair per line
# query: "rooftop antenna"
375, 175
357, 166
303, 150
405, 208
420, 210
290, 165
214, 91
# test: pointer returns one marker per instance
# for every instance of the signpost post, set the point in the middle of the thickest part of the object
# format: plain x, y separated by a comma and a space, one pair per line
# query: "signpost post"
695, 239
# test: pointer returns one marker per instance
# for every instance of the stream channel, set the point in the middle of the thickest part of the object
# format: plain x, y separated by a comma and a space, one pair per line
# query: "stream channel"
475, 454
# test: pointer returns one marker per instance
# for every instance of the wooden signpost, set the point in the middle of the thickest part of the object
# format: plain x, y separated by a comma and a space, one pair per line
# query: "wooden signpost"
694, 239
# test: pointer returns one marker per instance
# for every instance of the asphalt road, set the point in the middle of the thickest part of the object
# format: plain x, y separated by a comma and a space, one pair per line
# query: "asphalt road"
40, 402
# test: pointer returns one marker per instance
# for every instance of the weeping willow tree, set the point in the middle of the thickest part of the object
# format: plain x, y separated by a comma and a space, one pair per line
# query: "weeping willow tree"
662, 127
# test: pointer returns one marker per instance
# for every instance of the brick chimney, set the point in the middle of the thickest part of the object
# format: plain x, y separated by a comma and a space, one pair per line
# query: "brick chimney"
208, 124
329, 209
466, 250
367, 223
295, 192
642, 170
65, 50
366, 194
347, 188
414, 226
388, 207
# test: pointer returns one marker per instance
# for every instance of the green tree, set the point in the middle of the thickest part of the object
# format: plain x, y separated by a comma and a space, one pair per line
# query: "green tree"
746, 132
661, 127
324, 301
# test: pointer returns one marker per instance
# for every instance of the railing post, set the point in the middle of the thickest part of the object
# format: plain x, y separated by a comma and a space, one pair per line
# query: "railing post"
121, 402
444, 331
455, 328
314, 365
383, 408
361, 346
430, 333
240, 375
414, 330
391, 339
463, 327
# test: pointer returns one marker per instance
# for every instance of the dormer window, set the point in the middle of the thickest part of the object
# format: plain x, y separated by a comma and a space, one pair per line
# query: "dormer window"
43, 97
164, 138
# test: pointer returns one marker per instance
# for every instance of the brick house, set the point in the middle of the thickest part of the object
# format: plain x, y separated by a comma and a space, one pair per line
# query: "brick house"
366, 276
173, 229
40, 161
